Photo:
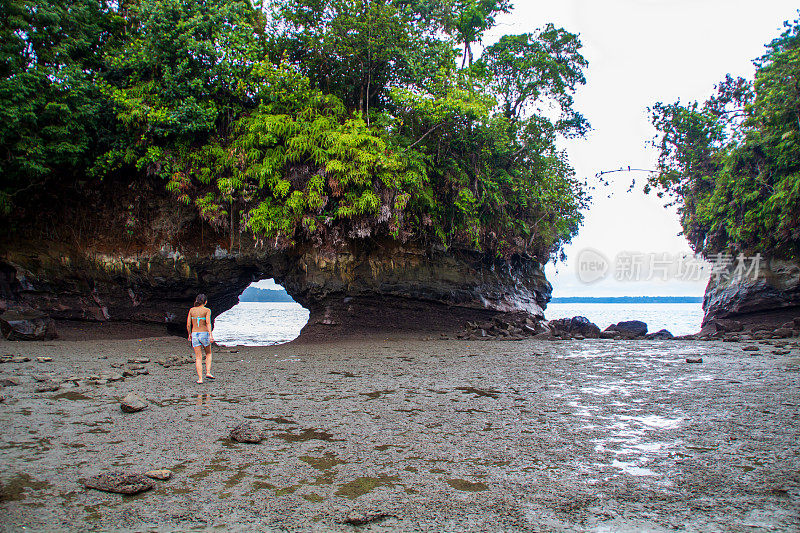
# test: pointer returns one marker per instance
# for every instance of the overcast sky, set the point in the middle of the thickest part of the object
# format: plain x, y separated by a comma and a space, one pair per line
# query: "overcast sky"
641, 52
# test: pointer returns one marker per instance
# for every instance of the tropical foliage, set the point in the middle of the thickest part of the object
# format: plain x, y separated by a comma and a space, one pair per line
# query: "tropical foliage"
314, 121
732, 164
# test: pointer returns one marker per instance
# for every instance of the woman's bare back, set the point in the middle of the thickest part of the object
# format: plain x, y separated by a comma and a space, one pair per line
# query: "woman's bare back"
200, 318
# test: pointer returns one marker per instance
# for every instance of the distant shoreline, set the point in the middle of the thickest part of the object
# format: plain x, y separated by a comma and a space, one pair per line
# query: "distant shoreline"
627, 300
254, 294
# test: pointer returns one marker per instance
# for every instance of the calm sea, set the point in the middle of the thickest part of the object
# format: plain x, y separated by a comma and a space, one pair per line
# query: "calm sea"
260, 323
265, 323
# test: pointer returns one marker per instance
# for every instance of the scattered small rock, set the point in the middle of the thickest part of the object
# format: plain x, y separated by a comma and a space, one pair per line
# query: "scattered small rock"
47, 387
694, 359
132, 403
359, 518
161, 474
140, 360
246, 432
9, 382
173, 360
119, 482
783, 333
44, 359
750, 348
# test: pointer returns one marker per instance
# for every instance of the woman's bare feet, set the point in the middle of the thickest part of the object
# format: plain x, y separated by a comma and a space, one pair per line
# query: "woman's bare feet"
209, 376
199, 381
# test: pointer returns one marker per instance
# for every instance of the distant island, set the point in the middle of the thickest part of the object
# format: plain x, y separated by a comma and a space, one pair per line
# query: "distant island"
627, 300
254, 294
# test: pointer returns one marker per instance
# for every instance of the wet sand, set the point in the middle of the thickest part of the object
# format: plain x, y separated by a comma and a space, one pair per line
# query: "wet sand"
436, 435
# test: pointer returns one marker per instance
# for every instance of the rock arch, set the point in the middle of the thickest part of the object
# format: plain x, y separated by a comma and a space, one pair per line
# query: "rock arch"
360, 289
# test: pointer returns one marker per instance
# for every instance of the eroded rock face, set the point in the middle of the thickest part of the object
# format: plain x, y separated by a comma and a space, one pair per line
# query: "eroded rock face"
35, 326
772, 295
384, 286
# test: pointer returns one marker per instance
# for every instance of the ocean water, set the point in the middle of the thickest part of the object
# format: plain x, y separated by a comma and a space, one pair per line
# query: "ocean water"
266, 323
679, 319
260, 323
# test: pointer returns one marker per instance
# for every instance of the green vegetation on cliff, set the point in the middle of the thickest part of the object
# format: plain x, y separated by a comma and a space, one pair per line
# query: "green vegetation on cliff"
298, 121
733, 163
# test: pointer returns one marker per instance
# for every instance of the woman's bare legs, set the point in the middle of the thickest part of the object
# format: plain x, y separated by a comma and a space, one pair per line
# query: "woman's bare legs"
198, 362
208, 362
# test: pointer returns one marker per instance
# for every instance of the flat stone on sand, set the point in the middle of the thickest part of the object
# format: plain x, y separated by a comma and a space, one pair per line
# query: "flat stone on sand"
119, 482
47, 387
246, 433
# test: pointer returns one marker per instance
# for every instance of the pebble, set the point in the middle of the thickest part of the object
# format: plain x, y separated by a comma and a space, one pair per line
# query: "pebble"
161, 474
750, 348
132, 403
141, 360
44, 359
9, 382
694, 359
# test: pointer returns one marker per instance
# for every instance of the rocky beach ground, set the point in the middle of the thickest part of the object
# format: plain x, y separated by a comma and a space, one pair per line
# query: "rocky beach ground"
405, 434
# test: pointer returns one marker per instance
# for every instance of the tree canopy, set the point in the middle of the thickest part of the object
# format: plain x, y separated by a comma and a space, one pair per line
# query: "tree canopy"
732, 163
314, 121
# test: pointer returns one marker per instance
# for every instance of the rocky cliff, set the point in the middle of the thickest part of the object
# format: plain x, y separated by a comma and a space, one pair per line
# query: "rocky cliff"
768, 294
367, 288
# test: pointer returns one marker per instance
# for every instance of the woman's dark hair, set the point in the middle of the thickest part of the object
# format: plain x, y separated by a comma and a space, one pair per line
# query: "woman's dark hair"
200, 300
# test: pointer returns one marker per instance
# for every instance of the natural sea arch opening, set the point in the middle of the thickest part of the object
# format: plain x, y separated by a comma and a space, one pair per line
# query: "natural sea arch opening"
265, 315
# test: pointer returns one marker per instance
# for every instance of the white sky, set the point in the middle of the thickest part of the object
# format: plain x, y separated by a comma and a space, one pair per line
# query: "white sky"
641, 52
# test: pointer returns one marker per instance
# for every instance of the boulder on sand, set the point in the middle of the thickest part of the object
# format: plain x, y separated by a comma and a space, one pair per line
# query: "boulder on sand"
577, 325
132, 403
628, 328
119, 482
17, 326
660, 335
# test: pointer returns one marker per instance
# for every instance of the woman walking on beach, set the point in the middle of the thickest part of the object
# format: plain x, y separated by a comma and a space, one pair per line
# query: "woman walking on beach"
198, 324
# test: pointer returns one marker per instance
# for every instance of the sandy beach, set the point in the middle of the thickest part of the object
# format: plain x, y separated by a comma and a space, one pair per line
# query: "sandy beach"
401, 435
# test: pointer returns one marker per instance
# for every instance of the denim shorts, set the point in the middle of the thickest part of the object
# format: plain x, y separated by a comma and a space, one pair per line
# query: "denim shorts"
200, 338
